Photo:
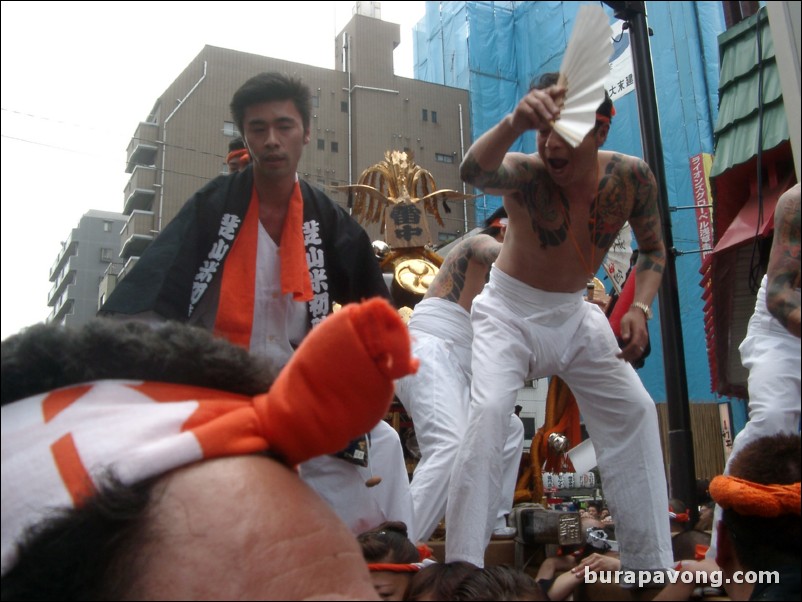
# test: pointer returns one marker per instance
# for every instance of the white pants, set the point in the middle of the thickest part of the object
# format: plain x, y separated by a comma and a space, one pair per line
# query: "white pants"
437, 398
519, 333
342, 484
772, 356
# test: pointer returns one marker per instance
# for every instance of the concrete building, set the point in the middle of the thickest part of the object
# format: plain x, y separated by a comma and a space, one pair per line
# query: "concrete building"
89, 254
360, 110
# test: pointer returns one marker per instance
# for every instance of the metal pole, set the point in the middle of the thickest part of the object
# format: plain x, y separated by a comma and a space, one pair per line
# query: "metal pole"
682, 471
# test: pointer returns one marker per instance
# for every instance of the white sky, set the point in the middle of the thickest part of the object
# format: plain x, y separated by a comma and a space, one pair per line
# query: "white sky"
69, 108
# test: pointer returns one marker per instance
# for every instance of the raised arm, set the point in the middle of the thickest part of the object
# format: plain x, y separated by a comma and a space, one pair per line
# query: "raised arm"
488, 165
782, 296
647, 227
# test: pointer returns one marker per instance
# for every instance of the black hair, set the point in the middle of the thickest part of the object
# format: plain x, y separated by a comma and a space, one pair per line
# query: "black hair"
44, 357
498, 582
86, 553
438, 581
270, 87
236, 144
388, 543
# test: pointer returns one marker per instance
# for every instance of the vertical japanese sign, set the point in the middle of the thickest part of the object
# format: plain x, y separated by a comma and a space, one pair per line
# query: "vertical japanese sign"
621, 79
726, 429
702, 199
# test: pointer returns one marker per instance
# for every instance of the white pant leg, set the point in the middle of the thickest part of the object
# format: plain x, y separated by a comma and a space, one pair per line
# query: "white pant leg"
513, 447
772, 356
621, 419
499, 365
342, 484
386, 460
437, 399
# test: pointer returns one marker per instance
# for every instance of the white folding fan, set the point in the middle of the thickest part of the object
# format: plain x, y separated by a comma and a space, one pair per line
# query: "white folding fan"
583, 71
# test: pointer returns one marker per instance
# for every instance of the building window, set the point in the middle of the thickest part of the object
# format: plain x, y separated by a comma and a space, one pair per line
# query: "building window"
107, 226
229, 129
424, 115
344, 106
315, 101
434, 116
321, 144
107, 255
335, 147
443, 158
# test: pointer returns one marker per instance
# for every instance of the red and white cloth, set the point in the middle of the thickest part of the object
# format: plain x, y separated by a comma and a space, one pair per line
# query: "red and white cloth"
58, 446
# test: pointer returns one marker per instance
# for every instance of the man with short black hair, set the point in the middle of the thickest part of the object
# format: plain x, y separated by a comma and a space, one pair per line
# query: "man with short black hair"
262, 257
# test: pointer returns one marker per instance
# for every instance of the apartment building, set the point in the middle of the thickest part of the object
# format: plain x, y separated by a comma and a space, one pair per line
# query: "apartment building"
88, 256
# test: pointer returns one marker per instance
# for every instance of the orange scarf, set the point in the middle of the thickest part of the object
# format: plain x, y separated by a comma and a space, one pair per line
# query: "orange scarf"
235, 308
234, 320
294, 269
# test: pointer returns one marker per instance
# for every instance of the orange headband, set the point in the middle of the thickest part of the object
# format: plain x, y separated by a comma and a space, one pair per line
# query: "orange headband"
681, 517
241, 153
754, 499
604, 118
424, 552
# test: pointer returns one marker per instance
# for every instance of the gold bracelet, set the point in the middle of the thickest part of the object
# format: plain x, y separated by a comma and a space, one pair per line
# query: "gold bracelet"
647, 311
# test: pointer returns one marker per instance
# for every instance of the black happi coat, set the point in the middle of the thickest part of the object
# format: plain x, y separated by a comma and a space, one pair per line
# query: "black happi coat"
162, 280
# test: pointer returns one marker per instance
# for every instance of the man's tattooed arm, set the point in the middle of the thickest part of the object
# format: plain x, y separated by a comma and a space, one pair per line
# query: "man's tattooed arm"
450, 281
782, 295
644, 218
511, 175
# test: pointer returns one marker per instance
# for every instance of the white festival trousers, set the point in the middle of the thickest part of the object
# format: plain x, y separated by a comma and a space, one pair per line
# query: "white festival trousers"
437, 398
519, 333
342, 484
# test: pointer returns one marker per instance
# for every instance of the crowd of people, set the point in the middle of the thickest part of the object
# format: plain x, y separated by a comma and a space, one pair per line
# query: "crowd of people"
218, 432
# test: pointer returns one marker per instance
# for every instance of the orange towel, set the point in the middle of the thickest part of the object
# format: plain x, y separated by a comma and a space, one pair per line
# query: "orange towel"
294, 269
755, 499
234, 320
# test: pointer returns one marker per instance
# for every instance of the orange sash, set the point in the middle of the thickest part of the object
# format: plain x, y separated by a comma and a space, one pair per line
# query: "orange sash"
294, 270
235, 308
234, 320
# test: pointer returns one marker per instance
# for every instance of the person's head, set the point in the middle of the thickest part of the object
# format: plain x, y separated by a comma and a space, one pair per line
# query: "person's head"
760, 527
563, 162
498, 582
593, 511
238, 157
438, 581
389, 554
678, 516
272, 111
690, 545
135, 459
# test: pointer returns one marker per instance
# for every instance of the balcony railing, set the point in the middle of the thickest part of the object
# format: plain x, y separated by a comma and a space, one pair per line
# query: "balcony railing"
143, 146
